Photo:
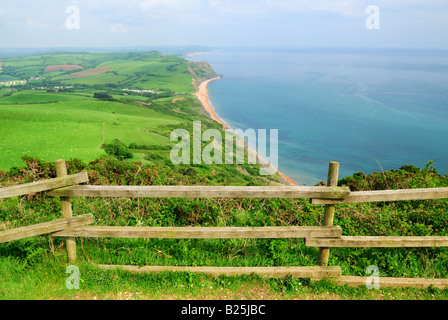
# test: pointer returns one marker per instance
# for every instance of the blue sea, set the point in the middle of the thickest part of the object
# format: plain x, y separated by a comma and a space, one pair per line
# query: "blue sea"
368, 109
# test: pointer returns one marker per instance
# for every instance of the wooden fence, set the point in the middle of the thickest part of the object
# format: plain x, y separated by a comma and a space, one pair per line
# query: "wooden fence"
324, 237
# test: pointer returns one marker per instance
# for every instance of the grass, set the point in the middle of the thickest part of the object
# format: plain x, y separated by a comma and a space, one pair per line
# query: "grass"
45, 278
74, 128
39, 127
32, 96
52, 125
146, 70
38, 264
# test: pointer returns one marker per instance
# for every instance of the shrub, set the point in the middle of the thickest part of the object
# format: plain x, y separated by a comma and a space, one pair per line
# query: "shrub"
118, 150
102, 95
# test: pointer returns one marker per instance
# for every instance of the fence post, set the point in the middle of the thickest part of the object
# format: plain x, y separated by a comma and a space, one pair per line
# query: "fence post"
61, 171
332, 181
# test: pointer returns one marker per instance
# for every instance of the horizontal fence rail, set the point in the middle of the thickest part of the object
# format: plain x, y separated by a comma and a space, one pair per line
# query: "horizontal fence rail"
356, 281
388, 195
45, 227
43, 185
201, 232
378, 242
297, 272
202, 192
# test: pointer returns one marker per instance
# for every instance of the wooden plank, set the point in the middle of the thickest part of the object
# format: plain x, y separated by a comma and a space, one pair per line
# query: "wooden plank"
66, 207
389, 195
296, 272
203, 191
45, 227
43, 185
200, 232
389, 282
378, 242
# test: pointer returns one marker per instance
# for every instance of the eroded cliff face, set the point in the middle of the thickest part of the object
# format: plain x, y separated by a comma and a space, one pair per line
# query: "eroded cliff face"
200, 71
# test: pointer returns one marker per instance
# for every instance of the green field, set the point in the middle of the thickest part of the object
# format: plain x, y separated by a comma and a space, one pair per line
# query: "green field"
73, 128
32, 96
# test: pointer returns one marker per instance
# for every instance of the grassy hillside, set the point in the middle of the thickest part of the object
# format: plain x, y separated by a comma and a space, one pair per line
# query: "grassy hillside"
74, 128
119, 101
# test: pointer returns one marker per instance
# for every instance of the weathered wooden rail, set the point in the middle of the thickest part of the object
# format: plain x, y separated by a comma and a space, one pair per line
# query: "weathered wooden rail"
324, 237
43, 185
45, 227
202, 232
336, 193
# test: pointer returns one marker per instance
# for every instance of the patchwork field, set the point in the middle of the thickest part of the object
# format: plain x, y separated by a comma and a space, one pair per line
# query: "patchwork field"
90, 72
61, 67
143, 70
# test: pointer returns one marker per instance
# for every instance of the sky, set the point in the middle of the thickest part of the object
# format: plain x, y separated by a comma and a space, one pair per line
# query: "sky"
224, 23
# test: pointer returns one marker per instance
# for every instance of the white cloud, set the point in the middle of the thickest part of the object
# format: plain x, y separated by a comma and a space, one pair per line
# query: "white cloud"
265, 7
36, 24
117, 28
168, 4
222, 22
340, 7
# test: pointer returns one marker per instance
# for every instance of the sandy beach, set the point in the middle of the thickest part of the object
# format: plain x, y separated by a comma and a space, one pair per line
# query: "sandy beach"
186, 55
203, 97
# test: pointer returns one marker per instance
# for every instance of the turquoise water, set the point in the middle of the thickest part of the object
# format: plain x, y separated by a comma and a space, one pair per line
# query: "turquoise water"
361, 108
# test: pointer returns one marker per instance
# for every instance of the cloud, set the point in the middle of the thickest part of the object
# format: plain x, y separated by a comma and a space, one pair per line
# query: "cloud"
264, 7
117, 28
344, 8
168, 4
223, 22
36, 24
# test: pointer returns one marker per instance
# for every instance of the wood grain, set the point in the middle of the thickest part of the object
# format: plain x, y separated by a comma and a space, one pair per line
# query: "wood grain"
200, 232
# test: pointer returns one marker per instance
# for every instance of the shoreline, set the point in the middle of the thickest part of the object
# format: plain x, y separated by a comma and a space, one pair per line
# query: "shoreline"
203, 97
186, 55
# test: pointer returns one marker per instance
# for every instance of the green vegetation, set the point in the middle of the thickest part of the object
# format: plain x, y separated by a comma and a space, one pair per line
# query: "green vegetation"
201, 71
118, 149
76, 129
102, 95
45, 256
116, 126
54, 116
143, 70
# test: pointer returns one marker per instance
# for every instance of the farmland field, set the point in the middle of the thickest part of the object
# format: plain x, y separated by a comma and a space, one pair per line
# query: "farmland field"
90, 72
145, 70
63, 67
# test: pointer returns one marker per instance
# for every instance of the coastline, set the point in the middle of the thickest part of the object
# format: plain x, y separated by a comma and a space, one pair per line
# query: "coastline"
202, 95
186, 55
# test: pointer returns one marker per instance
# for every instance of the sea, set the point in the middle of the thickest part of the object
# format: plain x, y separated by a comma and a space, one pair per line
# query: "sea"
368, 109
